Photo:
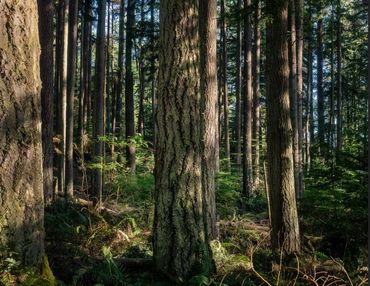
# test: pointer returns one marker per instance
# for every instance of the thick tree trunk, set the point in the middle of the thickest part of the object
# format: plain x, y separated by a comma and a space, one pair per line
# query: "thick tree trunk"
339, 78
99, 102
256, 96
129, 87
46, 14
320, 87
284, 218
21, 180
247, 104
72, 52
238, 86
209, 110
180, 247
224, 86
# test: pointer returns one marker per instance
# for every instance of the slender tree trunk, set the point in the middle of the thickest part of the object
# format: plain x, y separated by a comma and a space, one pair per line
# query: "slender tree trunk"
21, 180
284, 218
46, 14
99, 102
299, 7
339, 78
320, 88
152, 66
72, 52
256, 96
129, 87
238, 86
181, 247
118, 130
140, 126
63, 98
109, 44
209, 110
293, 92
247, 104
309, 103
224, 86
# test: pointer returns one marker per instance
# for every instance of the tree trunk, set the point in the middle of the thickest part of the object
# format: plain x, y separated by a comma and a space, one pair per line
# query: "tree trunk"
224, 86
320, 88
118, 130
140, 125
21, 180
238, 86
247, 104
256, 95
129, 87
109, 43
339, 78
284, 218
180, 245
152, 67
209, 110
63, 97
72, 52
46, 14
99, 102
309, 103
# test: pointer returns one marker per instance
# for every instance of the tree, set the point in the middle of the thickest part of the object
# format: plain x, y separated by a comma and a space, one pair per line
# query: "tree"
320, 87
46, 14
209, 110
99, 102
21, 180
339, 78
256, 94
247, 104
284, 219
180, 244
238, 114
225, 97
129, 87
72, 52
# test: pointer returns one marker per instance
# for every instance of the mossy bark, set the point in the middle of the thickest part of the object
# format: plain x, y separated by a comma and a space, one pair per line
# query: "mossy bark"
21, 190
181, 248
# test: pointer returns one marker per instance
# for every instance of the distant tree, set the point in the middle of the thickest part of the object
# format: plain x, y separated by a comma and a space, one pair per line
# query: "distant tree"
21, 179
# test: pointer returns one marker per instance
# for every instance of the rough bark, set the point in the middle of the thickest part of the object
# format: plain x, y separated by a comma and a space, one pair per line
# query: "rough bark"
284, 218
46, 14
256, 96
21, 180
180, 248
72, 52
129, 87
99, 102
209, 110
247, 105
238, 114
225, 96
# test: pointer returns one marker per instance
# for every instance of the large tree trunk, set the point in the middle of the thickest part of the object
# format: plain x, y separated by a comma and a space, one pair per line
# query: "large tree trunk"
225, 96
180, 247
21, 180
284, 219
72, 52
320, 87
99, 102
238, 86
129, 88
247, 104
209, 110
339, 78
256, 95
46, 14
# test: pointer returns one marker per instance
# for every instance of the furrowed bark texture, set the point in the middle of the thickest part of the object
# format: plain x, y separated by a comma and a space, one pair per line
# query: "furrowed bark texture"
209, 109
284, 218
181, 249
21, 194
46, 12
